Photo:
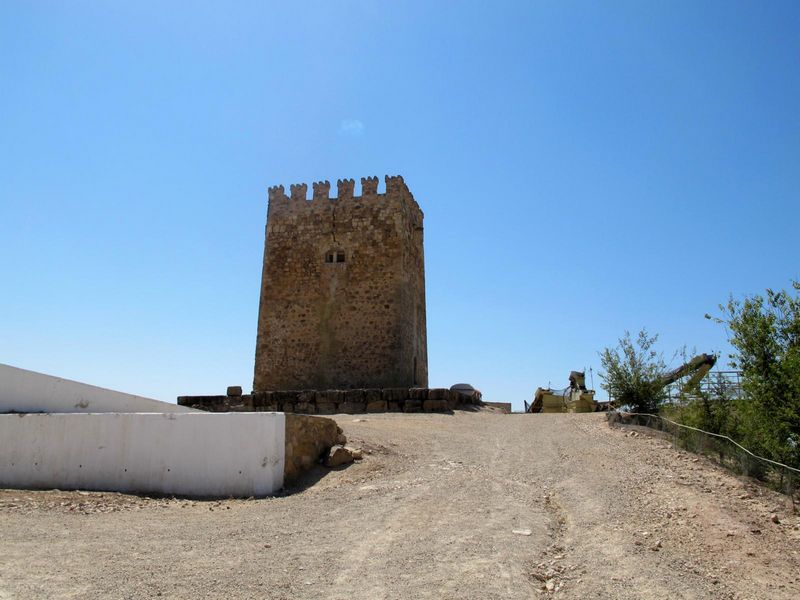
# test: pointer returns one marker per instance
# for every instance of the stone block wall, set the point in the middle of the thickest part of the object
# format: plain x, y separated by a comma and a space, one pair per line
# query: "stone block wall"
331, 402
307, 440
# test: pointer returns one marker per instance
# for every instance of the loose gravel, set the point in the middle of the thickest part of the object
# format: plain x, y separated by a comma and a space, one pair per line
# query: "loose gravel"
470, 505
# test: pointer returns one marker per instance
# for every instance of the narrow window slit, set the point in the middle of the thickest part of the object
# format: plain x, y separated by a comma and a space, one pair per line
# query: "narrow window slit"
334, 256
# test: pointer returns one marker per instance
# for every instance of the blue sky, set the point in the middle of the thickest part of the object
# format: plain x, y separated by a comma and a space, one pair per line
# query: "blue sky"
584, 168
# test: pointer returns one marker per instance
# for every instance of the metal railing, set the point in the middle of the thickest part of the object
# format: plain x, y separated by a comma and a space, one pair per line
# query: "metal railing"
714, 384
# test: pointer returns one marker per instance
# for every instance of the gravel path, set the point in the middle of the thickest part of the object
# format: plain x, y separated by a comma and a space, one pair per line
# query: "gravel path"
471, 505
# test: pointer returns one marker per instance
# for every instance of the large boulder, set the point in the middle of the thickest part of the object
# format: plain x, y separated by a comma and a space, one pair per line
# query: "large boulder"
338, 456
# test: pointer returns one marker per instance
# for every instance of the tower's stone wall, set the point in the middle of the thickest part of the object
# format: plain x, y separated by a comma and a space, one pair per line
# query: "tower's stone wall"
342, 290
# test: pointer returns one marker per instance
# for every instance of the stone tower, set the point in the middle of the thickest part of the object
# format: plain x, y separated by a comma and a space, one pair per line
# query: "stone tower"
342, 290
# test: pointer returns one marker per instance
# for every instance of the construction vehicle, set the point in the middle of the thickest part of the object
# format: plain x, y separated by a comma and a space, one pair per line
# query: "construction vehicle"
575, 398
698, 367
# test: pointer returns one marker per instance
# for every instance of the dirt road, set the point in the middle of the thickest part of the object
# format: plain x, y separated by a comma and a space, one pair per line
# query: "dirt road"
473, 505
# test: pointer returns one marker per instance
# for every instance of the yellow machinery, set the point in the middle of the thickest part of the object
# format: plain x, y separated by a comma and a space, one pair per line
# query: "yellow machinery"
698, 367
574, 399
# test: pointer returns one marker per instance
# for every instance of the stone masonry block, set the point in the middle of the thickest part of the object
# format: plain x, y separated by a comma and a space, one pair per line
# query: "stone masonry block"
261, 400
377, 406
306, 408
412, 406
330, 396
352, 408
373, 395
453, 399
438, 394
208, 403
284, 396
240, 404
307, 396
435, 406
354, 396
326, 408
395, 394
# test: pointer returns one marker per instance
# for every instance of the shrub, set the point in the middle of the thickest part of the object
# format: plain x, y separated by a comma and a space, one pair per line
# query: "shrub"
765, 334
633, 373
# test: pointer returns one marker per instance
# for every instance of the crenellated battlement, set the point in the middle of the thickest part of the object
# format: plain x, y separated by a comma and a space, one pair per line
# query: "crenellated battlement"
346, 190
276, 192
395, 184
299, 191
322, 190
369, 186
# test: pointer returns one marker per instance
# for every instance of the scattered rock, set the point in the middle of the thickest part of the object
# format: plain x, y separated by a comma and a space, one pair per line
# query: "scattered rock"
337, 456
356, 452
522, 531
550, 585
774, 518
656, 547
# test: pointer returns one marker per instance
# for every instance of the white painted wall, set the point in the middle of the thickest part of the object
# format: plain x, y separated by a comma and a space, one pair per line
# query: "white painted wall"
196, 454
27, 391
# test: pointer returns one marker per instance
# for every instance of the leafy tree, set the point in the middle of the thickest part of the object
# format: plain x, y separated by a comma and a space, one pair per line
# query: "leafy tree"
765, 333
633, 373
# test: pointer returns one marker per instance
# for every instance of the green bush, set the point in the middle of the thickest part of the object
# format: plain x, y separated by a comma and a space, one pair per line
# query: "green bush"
633, 373
764, 416
765, 334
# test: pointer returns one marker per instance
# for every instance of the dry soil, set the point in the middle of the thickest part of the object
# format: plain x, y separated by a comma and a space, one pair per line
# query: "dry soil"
471, 505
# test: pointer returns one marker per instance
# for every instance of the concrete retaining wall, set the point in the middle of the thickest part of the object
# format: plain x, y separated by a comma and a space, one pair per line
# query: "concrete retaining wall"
27, 391
196, 454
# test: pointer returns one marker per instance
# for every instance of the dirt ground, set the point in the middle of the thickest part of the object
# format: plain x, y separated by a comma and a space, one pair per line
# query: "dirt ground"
471, 505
